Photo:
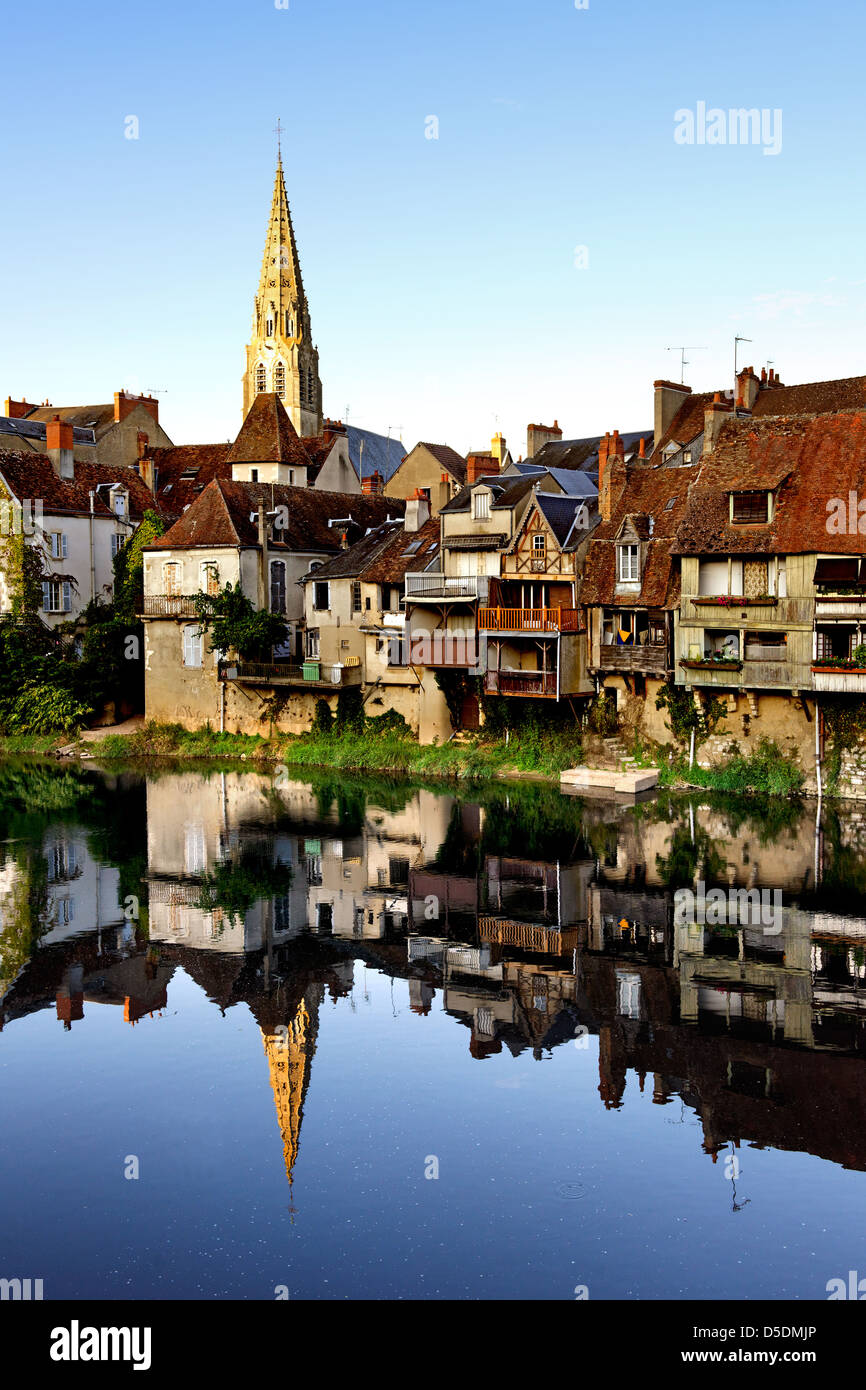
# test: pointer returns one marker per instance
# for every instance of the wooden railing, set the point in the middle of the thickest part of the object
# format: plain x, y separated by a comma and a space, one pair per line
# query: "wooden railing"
520, 683
649, 657
169, 606
528, 620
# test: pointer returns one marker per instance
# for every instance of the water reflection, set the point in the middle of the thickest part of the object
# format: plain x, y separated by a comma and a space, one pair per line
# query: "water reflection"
534, 921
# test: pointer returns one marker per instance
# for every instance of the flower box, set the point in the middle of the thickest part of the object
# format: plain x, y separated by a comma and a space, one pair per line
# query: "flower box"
709, 665
734, 601
850, 668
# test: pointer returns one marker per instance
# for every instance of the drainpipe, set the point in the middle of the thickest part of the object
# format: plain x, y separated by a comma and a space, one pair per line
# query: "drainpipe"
223, 708
818, 751
92, 563
692, 750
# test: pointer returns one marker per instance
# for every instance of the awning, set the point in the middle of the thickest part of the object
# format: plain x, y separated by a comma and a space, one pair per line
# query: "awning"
841, 569
475, 542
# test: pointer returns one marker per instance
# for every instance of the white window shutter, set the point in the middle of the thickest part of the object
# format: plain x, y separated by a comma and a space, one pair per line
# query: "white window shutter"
64, 545
67, 595
46, 596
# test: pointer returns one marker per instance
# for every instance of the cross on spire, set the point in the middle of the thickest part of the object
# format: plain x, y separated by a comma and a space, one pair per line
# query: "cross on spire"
278, 131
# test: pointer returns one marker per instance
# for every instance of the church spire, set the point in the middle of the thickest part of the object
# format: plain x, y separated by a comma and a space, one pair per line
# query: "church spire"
281, 356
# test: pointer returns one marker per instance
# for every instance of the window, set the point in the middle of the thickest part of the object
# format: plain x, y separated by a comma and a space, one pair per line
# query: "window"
280, 380
120, 505
481, 506
539, 543
749, 508
356, 595
210, 577
766, 646
629, 564
261, 377
171, 579
117, 544
270, 332
290, 326
59, 545
278, 586
254, 475
321, 596
192, 645
311, 387
56, 596
313, 643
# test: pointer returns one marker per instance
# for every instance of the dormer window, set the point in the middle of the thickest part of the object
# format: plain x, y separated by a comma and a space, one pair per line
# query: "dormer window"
481, 506
628, 563
750, 508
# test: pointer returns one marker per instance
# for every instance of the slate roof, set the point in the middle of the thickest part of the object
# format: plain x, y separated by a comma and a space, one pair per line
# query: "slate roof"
99, 418
32, 476
810, 459
647, 492
225, 514
32, 433
268, 435
572, 481
582, 454
380, 454
559, 513
507, 492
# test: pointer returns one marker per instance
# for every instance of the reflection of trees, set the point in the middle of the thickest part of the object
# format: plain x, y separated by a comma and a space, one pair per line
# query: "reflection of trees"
235, 885
25, 911
533, 822
679, 867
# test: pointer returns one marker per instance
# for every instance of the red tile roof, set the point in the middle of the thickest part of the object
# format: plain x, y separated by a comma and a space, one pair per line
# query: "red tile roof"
268, 435
648, 491
810, 459
31, 476
173, 491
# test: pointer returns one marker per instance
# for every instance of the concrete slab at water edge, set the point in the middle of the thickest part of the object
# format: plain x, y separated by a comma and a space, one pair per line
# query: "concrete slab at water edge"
629, 783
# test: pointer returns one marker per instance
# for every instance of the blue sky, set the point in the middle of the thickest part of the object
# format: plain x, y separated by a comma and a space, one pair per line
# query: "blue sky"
441, 275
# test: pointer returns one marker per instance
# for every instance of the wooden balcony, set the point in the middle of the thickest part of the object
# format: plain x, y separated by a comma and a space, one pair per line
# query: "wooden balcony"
281, 673
526, 683
528, 620
848, 681
648, 659
169, 606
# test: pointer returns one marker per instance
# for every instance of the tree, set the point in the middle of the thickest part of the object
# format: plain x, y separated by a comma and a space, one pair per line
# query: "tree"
236, 626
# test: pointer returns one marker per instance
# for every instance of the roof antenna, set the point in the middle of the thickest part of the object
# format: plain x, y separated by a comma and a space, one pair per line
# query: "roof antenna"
737, 341
684, 361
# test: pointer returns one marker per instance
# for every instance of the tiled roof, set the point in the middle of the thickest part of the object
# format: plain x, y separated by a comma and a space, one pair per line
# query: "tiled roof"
507, 490
810, 459
688, 422
32, 476
812, 398
30, 434
225, 514
583, 453
183, 472
386, 555
268, 435
559, 512
650, 492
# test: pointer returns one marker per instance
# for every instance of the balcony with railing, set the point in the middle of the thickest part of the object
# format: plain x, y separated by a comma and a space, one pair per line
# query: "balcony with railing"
525, 683
313, 675
528, 620
446, 588
169, 606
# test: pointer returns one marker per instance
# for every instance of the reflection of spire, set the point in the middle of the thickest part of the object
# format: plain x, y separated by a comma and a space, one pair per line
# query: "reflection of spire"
289, 1051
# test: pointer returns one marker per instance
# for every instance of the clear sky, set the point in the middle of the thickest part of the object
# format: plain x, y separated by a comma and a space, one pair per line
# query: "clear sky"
441, 273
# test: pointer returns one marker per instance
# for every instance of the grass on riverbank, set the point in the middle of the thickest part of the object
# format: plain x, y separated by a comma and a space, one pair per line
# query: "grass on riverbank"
543, 753
766, 772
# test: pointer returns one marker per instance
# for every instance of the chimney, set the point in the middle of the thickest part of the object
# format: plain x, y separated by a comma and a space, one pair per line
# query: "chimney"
58, 445
641, 452
748, 387
610, 454
479, 466
417, 511
498, 450
539, 435
125, 404
669, 396
714, 418
344, 541
373, 484
17, 410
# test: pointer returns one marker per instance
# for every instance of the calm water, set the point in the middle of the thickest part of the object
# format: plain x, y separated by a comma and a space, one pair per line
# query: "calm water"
357, 1039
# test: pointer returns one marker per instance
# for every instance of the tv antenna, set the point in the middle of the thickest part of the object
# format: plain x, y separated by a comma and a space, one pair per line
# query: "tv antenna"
737, 340
684, 361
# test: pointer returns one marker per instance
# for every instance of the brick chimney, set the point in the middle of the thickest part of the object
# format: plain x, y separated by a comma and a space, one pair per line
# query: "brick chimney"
714, 417
479, 466
417, 511
610, 453
668, 397
124, 404
146, 470
748, 387
59, 438
373, 484
539, 435
17, 410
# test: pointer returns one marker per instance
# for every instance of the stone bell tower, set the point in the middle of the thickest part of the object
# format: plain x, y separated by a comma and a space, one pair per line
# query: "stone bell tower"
281, 356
